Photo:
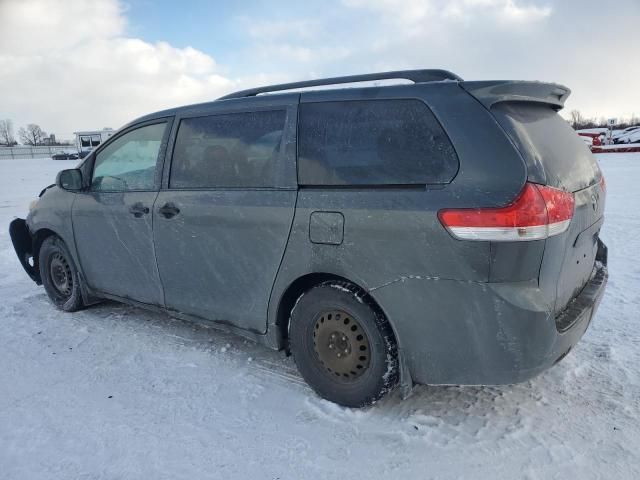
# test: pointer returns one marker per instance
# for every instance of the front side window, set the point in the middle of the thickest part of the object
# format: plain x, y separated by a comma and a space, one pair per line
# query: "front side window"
377, 142
95, 140
228, 150
85, 142
129, 162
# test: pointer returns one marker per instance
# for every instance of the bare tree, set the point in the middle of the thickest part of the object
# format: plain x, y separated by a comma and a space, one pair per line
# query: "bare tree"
576, 119
32, 135
6, 133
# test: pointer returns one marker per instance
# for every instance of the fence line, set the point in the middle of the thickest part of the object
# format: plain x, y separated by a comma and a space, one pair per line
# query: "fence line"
24, 151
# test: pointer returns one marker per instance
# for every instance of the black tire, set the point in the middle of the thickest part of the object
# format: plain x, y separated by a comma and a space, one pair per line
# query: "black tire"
59, 275
368, 365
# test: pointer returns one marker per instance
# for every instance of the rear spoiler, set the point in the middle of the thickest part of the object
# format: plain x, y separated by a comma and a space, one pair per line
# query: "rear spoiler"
496, 91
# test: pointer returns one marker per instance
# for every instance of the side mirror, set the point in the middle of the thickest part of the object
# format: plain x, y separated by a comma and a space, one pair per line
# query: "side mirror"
70, 180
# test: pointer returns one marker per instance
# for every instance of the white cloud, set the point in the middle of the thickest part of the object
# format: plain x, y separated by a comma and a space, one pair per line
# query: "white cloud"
580, 43
291, 44
507, 11
68, 75
265, 29
523, 14
406, 11
300, 55
410, 13
43, 26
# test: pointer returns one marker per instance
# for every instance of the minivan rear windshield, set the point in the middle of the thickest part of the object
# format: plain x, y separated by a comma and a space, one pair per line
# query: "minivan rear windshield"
554, 153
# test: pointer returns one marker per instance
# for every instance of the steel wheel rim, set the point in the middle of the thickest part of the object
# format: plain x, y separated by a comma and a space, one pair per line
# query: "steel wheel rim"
60, 275
341, 345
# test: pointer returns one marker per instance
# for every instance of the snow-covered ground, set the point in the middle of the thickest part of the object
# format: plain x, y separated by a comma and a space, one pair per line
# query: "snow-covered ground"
117, 392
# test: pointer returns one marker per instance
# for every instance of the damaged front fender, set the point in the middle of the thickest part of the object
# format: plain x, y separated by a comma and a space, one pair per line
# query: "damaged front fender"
23, 245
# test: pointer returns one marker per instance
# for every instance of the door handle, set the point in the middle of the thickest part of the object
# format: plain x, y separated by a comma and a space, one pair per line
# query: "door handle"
138, 209
168, 210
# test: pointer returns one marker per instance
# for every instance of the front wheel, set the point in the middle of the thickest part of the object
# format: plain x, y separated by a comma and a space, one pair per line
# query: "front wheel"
59, 275
343, 345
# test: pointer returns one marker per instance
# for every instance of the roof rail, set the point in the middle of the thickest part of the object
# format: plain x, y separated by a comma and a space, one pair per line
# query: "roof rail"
416, 76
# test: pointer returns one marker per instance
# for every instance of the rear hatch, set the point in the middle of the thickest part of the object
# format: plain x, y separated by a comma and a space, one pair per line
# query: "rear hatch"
556, 156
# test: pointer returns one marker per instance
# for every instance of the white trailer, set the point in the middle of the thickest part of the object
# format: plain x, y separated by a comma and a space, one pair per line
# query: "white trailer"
87, 140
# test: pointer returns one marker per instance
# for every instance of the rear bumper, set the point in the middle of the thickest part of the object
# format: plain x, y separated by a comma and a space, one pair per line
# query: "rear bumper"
467, 333
576, 318
23, 245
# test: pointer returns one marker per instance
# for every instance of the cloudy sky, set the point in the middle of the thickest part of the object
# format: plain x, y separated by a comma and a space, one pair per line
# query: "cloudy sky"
77, 64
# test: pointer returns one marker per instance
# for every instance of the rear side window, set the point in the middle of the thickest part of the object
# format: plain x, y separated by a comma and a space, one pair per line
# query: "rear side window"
378, 142
228, 150
552, 150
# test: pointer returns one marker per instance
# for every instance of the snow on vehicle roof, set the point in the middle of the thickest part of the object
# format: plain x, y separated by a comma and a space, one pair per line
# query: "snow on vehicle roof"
633, 136
629, 137
592, 130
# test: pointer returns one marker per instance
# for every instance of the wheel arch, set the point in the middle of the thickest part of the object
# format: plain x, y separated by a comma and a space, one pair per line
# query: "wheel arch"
291, 294
39, 236
307, 281
303, 284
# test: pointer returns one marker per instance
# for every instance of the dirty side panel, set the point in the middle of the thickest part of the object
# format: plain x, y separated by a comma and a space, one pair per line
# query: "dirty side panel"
54, 213
463, 333
116, 247
219, 256
393, 234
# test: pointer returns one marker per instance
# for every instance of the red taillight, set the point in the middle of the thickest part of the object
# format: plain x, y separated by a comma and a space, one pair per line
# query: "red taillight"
537, 213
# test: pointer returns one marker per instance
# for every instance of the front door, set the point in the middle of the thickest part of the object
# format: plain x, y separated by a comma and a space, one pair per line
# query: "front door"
221, 225
112, 222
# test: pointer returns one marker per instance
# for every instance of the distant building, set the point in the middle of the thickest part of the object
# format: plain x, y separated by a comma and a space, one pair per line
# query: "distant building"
87, 140
50, 140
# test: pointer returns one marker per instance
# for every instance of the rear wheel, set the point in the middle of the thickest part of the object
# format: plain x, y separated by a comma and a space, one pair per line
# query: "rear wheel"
342, 345
59, 275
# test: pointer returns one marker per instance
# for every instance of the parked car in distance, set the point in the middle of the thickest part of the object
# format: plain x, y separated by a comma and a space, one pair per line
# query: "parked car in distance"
623, 133
64, 156
440, 232
632, 136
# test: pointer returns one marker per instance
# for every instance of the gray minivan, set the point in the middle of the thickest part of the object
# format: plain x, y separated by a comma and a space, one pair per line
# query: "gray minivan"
439, 232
